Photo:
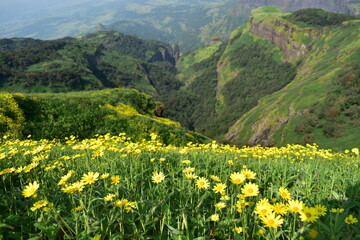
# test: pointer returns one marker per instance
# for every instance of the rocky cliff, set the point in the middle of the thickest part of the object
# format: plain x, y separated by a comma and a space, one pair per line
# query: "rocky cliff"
292, 40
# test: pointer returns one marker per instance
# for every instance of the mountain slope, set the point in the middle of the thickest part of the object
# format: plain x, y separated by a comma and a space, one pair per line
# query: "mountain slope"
279, 74
87, 113
321, 103
94, 61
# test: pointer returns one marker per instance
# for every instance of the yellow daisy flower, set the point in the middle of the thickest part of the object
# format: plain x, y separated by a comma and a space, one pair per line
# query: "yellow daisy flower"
190, 176
157, 177
66, 177
189, 170
248, 173
237, 178
250, 190
214, 217
109, 197
220, 205
39, 204
30, 189
280, 208
215, 178
75, 187
272, 221
202, 183
115, 180
284, 193
219, 188
90, 178
308, 214
351, 220
295, 206
321, 210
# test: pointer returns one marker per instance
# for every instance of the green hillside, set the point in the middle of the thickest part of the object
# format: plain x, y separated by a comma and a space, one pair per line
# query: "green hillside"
288, 86
88, 113
94, 61
321, 104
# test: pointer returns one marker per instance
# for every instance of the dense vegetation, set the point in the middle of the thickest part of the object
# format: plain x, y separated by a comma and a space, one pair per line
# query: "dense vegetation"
94, 61
318, 17
86, 114
321, 104
109, 187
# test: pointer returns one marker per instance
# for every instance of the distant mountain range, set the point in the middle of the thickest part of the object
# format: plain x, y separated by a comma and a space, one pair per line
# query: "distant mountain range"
189, 24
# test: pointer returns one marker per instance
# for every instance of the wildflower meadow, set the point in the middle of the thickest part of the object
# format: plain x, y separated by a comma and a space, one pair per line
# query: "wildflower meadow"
110, 187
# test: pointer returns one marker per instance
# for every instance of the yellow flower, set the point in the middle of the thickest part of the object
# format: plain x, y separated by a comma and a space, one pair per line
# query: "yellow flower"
190, 176
115, 180
220, 205
202, 183
308, 214
337, 210
219, 188
104, 176
272, 221
78, 208
109, 197
284, 193
260, 232
280, 208
321, 210
231, 162
188, 170
90, 178
240, 204
237, 178
215, 178
237, 230
39, 204
122, 203
75, 187
30, 189
263, 209
355, 150
250, 190
157, 177
66, 177
214, 217
351, 220
248, 173
185, 162
313, 233
225, 198
295, 206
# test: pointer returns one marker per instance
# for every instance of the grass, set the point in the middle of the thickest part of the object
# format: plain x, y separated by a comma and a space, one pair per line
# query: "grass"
109, 187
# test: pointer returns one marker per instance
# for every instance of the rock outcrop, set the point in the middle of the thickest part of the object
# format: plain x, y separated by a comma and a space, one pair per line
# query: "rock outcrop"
286, 36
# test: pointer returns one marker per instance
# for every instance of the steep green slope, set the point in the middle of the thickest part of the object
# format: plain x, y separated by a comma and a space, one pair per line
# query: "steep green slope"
283, 73
94, 61
321, 104
87, 113
223, 81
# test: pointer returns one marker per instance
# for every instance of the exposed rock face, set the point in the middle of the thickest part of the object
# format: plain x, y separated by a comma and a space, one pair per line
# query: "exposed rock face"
168, 55
286, 39
293, 5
